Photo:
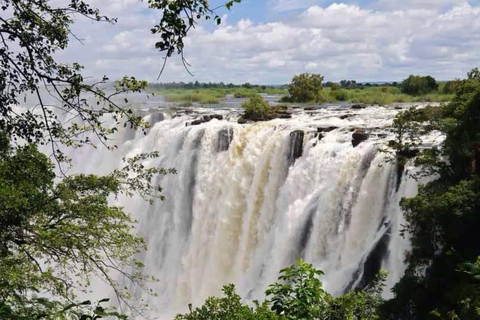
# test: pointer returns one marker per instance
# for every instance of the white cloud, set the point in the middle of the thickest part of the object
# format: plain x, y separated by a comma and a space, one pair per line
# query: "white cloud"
338, 41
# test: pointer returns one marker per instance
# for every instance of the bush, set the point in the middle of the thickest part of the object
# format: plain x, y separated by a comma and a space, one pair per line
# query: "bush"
305, 87
414, 85
256, 108
450, 86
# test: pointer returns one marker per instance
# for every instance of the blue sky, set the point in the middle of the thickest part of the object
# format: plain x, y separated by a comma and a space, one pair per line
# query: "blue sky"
270, 41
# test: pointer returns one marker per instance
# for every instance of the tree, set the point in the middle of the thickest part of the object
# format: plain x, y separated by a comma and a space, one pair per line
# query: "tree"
55, 236
229, 307
414, 85
443, 219
256, 108
298, 295
305, 87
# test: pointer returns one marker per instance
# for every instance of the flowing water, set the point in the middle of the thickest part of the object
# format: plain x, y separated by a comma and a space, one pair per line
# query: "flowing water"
249, 200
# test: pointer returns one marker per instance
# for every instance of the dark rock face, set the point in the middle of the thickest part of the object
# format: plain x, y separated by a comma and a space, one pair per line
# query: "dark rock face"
373, 263
224, 139
408, 153
156, 117
327, 129
359, 106
358, 137
242, 121
309, 108
346, 116
296, 146
205, 118
196, 122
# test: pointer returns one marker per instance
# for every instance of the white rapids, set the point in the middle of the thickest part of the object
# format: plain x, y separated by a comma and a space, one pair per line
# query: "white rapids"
243, 206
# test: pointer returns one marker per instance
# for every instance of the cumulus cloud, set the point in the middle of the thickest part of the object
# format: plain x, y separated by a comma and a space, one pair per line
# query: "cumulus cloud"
338, 41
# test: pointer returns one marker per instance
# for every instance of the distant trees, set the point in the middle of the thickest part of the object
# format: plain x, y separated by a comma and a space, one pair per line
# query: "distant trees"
348, 84
305, 87
450, 86
414, 85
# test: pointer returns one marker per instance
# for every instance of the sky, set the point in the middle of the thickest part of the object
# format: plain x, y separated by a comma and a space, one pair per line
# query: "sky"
269, 41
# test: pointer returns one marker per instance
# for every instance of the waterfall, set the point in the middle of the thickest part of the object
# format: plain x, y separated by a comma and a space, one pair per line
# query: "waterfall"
249, 200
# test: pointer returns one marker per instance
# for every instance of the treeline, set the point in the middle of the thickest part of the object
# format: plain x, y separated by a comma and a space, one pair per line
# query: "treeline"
206, 85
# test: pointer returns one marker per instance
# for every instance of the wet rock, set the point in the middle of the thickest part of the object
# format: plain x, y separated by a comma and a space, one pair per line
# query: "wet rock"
242, 121
320, 137
359, 106
197, 122
358, 137
327, 129
296, 146
408, 153
224, 139
398, 108
212, 116
309, 108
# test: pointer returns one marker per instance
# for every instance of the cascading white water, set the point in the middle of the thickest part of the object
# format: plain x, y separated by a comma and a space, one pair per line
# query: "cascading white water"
249, 200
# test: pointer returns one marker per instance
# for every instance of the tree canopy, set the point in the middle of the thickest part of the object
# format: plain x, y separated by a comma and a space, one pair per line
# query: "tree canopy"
419, 85
443, 219
305, 87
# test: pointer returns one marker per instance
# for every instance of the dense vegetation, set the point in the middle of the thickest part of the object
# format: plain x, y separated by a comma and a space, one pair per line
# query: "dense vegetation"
309, 88
297, 296
443, 219
415, 85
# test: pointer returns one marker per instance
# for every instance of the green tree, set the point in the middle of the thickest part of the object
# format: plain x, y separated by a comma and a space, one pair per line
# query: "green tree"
56, 236
228, 307
256, 108
414, 85
443, 219
298, 295
305, 87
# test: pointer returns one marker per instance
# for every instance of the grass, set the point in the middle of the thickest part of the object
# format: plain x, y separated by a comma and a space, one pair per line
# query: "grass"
367, 95
379, 96
212, 95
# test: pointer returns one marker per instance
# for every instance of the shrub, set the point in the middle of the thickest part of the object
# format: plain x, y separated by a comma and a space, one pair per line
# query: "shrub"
450, 86
414, 85
305, 87
256, 108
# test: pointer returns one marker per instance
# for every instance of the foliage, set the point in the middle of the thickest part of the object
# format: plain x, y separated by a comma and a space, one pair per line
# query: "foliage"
443, 219
256, 108
305, 87
298, 295
228, 307
56, 236
449, 87
415, 85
